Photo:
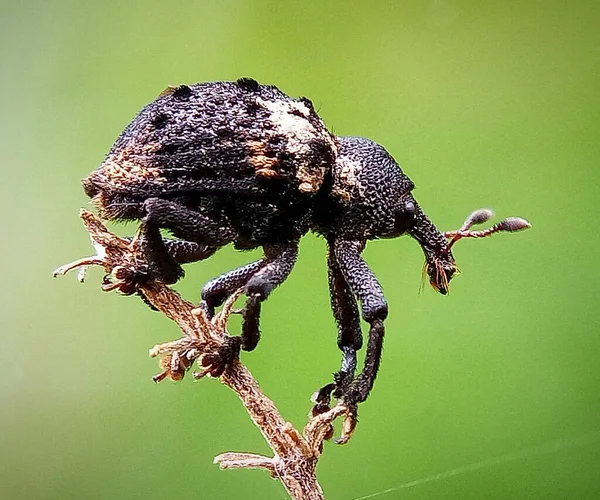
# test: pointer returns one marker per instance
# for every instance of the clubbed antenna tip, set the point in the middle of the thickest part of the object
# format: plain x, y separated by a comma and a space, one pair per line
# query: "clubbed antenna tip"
513, 224
510, 224
478, 217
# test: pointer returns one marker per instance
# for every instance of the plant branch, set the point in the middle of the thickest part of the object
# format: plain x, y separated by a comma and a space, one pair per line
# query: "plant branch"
295, 454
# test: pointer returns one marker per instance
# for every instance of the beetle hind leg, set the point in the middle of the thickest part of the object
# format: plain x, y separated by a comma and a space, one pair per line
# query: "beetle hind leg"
161, 264
184, 252
160, 259
204, 236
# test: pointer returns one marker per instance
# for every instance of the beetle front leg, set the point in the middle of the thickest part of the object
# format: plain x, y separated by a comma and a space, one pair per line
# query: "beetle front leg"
347, 317
363, 284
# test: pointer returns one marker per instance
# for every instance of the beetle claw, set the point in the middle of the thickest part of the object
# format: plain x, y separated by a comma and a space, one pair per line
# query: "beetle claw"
322, 400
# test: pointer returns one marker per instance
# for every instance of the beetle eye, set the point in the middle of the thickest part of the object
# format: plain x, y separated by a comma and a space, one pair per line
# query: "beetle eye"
410, 208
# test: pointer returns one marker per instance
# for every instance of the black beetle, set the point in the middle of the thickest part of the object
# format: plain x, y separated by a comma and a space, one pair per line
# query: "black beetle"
243, 163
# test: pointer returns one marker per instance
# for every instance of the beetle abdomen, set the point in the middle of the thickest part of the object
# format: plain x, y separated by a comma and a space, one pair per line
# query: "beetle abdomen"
230, 137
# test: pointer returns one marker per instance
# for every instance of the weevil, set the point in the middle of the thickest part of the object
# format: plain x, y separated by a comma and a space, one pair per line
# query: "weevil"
242, 163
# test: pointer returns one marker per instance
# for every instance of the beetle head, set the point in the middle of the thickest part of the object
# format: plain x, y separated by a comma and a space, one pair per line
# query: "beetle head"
376, 201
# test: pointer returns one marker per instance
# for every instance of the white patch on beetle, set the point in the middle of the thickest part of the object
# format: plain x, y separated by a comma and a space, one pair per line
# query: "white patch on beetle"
297, 129
290, 119
346, 179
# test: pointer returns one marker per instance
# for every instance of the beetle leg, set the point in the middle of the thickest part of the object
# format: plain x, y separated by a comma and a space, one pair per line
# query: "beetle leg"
188, 224
347, 317
181, 251
258, 280
161, 265
345, 311
217, 363
216, 291
364, 285
280, 260
184, 252
162, 257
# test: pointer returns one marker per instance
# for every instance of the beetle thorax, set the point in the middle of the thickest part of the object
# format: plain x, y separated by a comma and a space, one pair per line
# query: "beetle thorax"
365, 192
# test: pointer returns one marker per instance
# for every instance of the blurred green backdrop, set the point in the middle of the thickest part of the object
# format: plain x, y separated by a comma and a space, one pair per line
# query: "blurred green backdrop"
492, 392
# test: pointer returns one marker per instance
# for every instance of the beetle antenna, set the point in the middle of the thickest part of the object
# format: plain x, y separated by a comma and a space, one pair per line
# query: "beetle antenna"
510, 224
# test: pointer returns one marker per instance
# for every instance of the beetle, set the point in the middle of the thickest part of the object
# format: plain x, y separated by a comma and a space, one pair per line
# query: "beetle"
242, 163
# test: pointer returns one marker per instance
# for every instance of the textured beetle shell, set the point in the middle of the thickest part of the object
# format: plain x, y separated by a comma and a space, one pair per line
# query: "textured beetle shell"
218, 137
367, 189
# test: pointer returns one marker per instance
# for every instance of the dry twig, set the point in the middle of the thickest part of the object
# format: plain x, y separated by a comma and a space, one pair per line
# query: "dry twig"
295, 455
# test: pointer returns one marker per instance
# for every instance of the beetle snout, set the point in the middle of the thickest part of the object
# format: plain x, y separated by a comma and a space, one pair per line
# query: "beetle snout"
440, 269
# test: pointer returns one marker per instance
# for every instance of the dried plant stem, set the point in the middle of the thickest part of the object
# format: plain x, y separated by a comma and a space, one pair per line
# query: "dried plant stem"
295, 455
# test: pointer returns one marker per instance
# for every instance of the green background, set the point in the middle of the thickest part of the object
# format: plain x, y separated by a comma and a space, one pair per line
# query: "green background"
491, 392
